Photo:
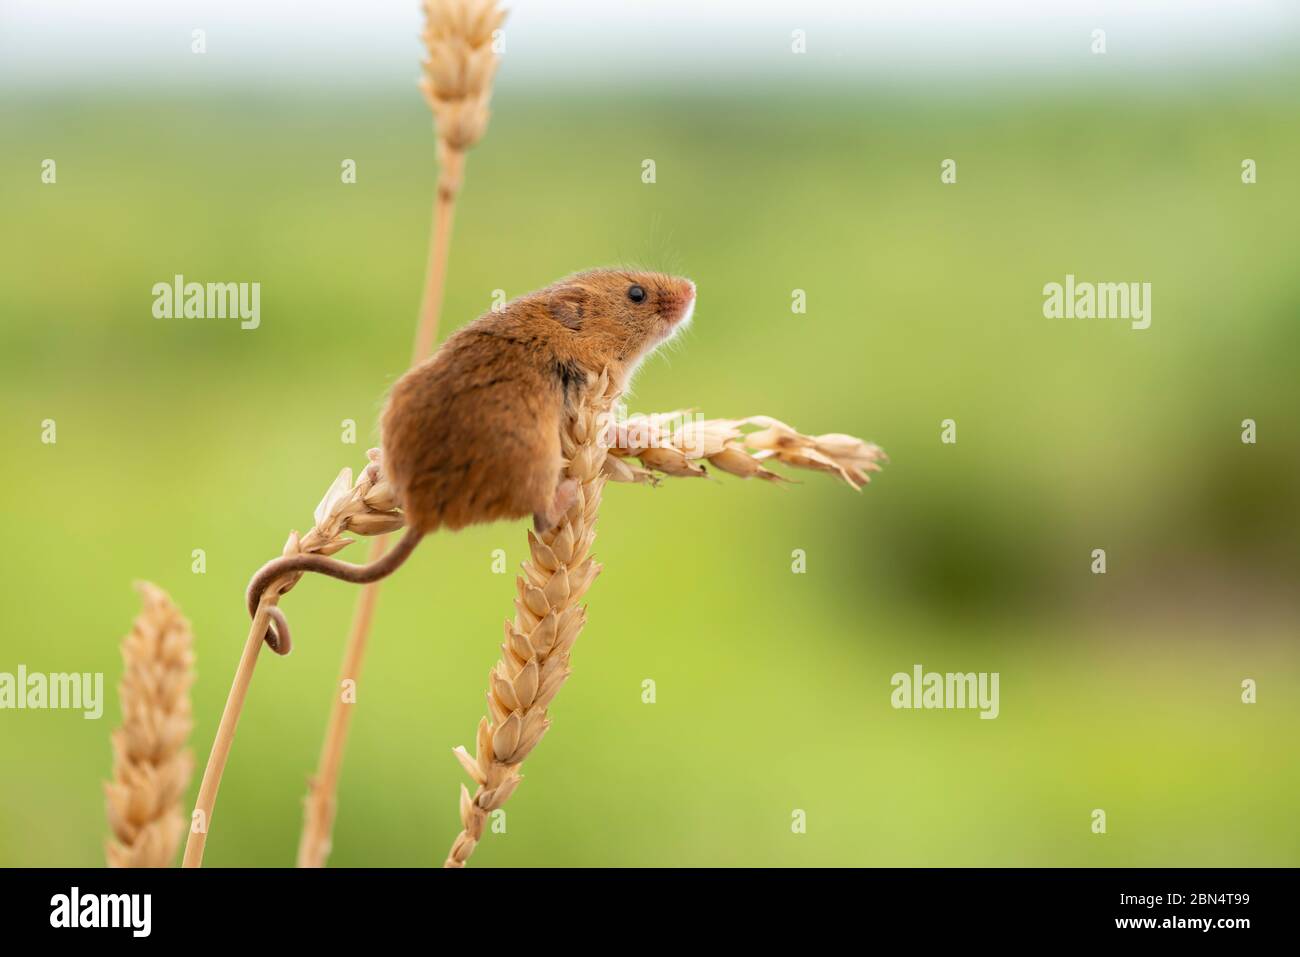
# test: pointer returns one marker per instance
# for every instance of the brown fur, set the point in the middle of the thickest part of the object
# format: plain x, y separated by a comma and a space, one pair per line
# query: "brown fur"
473, 434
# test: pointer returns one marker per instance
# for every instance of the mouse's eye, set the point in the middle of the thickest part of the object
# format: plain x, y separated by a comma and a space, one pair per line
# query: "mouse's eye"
636, 293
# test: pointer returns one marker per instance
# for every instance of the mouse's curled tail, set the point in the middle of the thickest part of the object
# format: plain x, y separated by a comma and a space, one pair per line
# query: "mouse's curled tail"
278, 637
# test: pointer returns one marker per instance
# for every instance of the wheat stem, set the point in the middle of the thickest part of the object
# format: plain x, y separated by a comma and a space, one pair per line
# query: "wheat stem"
365, 507
320, 803
444, 210
457, 84
225, 738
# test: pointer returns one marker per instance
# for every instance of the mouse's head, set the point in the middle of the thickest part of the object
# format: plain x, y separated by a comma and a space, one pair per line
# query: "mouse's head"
618, 316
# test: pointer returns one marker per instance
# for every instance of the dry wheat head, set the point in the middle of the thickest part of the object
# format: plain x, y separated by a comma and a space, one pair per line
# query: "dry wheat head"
151, 765
675, 444
460, 65
364, 507
534, 661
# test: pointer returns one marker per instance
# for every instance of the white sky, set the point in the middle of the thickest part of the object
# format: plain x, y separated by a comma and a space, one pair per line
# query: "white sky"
52, 43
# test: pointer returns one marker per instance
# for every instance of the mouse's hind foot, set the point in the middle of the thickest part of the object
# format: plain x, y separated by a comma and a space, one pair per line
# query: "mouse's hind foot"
566, 493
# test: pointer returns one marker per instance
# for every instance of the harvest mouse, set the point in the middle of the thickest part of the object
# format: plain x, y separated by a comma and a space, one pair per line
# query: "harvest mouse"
473, 434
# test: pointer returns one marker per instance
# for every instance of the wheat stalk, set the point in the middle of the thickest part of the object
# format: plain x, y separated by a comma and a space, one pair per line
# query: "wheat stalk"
457, 84
363, 507
548, 619
151, 765
534, 661
535, 656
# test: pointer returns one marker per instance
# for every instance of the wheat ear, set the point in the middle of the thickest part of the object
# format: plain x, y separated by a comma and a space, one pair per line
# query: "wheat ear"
363, 507
534, 661
548, 619
151, 764
456, 80
675, 444
458, 70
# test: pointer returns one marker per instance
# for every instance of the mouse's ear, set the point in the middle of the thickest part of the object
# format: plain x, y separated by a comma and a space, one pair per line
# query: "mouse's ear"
568, 305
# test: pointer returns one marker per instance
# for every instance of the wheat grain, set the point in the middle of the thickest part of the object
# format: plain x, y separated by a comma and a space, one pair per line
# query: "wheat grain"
558, 573
458, 71
364, 507
151, 764
534, 661
675, 444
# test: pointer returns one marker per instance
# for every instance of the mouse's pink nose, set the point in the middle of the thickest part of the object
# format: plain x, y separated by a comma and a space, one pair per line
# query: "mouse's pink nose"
685, 295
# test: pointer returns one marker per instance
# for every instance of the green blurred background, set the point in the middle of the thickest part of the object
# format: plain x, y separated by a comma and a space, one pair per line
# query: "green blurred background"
1119, 692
